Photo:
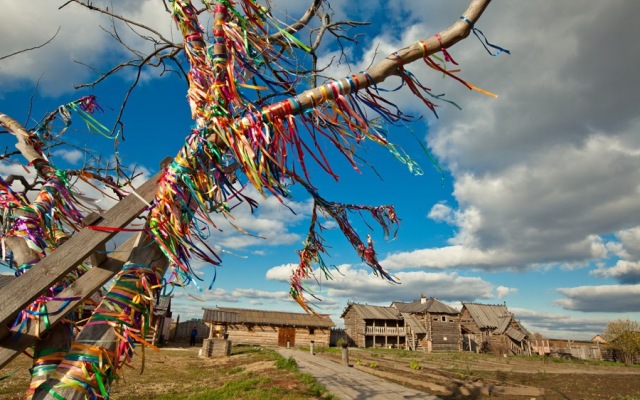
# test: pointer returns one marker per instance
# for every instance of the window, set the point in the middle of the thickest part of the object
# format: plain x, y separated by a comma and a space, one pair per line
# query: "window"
249, 328
444, 318
312, 331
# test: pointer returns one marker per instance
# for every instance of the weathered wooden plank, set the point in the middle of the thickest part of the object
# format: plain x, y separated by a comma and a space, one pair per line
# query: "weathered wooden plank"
146, 253
82, 288
45, 273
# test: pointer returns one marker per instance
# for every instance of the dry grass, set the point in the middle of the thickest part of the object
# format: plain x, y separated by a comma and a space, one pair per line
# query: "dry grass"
178, 373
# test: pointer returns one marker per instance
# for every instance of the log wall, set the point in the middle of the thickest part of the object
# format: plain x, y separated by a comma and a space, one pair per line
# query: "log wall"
267, 335
444, 332
354, 327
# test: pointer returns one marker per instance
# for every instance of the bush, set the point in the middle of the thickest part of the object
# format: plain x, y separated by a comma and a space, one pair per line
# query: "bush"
415, 365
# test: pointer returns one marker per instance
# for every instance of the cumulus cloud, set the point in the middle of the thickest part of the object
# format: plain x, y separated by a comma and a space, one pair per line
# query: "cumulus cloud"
503, 291
529, 192
362, 285
79, 38
70, 156
630, 242
605, 298
556, 325
271, 224
625, 272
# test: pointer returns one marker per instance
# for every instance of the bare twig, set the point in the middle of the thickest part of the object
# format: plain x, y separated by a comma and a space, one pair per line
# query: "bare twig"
32, 48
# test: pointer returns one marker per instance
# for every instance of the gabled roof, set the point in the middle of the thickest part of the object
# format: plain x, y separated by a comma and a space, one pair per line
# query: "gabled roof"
489, 316
263, 317
415, 325
431, 305
373, 312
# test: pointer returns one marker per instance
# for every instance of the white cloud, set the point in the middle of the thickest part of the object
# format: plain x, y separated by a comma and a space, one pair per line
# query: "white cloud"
70, 156
80, 38
625, 272
271, 224
503, 291
630, 240
441, 212
540, 174
280, 273
554, 325
362, 285
605, 298
260, 294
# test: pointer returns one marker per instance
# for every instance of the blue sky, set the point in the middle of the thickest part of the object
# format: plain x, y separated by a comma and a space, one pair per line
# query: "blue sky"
539, 203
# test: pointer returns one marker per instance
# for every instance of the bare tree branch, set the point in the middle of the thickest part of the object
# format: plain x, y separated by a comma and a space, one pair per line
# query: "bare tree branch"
31, 48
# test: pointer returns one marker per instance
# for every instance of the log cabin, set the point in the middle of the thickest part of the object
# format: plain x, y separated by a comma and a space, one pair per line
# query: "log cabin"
374, 326
491, 328
430, 325
268, 328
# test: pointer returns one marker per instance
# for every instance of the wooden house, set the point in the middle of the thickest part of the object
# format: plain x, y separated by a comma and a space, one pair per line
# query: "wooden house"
374, 326
430, 325
162, 316
269, 328
492, 328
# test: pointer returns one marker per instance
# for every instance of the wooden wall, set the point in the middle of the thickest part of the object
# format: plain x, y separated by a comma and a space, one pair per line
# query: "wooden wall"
267, 335
445, 335
467, 323
354, 327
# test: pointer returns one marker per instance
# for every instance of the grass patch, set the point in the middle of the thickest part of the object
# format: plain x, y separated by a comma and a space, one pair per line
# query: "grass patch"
415, 366
250, 373
287, 363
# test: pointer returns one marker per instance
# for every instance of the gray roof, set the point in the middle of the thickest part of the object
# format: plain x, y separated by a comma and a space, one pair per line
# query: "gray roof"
415, 325
515, 334
163, 306
373, 312
220, 317
497, 317
263, 317
431, 305
489, 316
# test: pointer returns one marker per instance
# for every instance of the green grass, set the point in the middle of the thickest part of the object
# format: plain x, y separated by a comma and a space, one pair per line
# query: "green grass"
251, 373
415, 366
287, 363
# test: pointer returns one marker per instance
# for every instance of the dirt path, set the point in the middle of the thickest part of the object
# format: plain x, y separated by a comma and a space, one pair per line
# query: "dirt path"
348, 383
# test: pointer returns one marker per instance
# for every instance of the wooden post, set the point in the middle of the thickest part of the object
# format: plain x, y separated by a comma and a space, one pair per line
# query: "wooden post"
311, 348
81, 289
345, 355
28, 286
101, 335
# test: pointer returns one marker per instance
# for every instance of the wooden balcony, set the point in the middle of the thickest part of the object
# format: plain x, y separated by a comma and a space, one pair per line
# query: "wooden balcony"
384, 330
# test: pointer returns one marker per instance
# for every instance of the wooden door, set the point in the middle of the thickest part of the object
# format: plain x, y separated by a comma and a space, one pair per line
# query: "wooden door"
286, 334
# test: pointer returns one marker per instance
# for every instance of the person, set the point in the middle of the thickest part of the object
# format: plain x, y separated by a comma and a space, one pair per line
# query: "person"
194, 333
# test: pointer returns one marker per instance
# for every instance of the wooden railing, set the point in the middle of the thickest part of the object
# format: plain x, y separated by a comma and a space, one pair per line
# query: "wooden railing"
381, 330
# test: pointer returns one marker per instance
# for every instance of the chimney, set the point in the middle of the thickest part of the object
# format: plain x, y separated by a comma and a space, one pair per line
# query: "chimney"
423, 298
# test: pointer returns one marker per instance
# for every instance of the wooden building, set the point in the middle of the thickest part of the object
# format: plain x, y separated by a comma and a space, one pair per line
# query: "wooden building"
430, 325
269, 328
374, 326
492, 328
162, 316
